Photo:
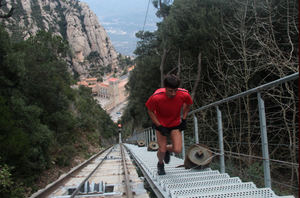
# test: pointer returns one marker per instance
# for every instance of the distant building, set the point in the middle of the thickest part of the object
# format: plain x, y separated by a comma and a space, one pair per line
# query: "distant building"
91, 81
109, 93
103, 90
82, 83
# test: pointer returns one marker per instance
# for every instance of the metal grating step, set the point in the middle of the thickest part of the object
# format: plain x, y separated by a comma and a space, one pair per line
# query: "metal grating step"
213, 189
253, 193
173, 171
186, 175
186, 185
178, 172
193, 183
193, 179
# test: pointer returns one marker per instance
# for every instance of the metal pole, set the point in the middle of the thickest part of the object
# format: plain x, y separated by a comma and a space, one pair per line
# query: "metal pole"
145, 137
149, 136
134, 138
264, 140
196, 129
183, 149
152, 134
221, 146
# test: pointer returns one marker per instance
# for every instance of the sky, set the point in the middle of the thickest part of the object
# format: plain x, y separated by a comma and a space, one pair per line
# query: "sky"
122, 19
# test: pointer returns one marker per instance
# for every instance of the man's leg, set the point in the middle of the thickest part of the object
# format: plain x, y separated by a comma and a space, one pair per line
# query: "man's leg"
176, 139
162, 144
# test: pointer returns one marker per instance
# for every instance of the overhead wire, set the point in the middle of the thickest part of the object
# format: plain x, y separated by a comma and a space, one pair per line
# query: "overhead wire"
146, 15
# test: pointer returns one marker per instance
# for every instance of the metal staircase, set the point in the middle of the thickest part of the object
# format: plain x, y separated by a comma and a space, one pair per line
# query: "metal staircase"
193, 183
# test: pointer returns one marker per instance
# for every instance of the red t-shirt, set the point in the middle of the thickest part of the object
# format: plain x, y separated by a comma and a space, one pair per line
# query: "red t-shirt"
167, 110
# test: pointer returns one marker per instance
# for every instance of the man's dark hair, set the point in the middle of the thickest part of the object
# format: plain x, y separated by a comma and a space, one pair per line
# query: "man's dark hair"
171, 81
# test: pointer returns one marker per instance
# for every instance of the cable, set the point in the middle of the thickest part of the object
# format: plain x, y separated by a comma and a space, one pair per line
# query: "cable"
273, 181
146, 15
246, 143
294, 187
256, 157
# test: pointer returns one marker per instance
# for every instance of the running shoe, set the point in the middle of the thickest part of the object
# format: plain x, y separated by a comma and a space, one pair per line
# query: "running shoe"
161, 169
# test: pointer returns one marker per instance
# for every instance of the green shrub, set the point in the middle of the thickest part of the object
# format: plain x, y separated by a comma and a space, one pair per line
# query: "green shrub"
65, 156
9, 188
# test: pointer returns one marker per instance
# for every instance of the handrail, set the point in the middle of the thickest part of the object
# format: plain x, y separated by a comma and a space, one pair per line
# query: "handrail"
248, 92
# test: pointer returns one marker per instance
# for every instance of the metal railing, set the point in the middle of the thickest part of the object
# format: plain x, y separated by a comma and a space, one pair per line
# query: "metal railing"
259, 121
262, 118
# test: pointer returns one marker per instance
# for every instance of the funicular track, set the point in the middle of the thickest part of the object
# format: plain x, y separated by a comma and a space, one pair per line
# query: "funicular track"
193, 183
109, 173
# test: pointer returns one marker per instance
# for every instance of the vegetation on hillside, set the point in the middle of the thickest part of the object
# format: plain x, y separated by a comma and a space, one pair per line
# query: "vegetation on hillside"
219, 49
41, 117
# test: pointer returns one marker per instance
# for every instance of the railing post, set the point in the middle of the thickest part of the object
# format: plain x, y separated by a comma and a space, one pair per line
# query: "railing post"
135, 136
221, 146
149, 135
141, 135
145, 137
196, 129
264, 140
153, 135
183, 149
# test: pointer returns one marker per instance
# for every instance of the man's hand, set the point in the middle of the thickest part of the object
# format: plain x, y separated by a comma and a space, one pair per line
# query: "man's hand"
163, 130
182, 125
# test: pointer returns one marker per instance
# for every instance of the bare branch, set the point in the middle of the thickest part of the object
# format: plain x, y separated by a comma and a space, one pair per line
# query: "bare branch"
198, 77
179, 63
163, 59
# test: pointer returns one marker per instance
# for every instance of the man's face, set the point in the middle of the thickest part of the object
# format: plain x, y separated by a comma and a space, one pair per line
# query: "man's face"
171, 92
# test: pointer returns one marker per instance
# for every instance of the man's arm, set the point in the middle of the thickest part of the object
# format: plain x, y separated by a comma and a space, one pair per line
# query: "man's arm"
185, 110
163, 130
153, 118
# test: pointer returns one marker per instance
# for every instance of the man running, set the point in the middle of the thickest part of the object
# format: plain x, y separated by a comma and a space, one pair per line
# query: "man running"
164, 108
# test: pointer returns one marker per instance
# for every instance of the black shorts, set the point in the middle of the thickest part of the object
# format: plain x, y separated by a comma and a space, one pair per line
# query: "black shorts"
169, 129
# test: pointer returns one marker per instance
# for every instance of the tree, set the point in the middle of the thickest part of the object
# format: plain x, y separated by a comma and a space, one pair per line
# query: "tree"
222, 48
41, 116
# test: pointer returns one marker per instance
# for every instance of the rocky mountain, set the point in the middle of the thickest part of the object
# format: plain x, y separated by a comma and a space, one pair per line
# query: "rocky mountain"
71, 19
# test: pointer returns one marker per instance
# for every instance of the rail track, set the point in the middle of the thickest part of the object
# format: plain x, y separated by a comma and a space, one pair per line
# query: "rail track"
110, 173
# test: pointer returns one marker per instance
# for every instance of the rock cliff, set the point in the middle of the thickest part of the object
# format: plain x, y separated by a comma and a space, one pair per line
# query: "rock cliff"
70, 19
